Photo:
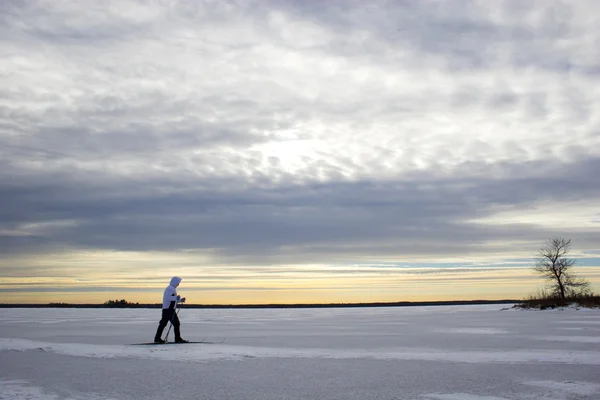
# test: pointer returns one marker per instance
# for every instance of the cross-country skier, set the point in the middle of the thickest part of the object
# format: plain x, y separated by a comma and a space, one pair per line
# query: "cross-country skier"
170, 298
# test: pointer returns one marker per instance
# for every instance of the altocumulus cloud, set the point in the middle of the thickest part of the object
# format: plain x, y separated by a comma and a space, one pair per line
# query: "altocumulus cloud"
299, 132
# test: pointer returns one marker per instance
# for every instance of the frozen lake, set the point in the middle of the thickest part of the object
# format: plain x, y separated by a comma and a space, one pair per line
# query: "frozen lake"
475, 352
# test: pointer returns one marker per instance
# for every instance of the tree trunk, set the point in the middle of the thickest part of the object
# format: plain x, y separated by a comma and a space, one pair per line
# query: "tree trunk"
561, 286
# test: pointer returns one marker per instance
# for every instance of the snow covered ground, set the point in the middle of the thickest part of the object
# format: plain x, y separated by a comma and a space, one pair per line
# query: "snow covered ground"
475, 352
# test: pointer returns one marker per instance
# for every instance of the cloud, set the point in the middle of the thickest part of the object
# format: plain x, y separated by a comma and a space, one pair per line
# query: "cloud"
298, 131
424, 215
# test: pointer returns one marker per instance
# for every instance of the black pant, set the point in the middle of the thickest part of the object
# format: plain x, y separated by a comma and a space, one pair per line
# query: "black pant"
168, 315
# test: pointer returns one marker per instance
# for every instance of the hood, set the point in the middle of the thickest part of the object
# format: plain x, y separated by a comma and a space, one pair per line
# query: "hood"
175, 281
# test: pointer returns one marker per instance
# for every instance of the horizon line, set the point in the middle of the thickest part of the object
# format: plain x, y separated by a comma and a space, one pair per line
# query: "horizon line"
258, 305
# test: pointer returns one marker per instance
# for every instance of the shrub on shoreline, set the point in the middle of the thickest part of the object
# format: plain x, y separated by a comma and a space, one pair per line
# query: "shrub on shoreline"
551, 302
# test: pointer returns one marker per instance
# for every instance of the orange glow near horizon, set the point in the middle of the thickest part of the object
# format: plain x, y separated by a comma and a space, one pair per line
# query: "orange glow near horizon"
298, 287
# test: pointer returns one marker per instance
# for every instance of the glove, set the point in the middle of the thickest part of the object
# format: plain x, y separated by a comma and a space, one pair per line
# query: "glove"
183, 300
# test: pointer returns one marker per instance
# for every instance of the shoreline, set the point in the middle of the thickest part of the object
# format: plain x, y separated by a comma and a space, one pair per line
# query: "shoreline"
250, 306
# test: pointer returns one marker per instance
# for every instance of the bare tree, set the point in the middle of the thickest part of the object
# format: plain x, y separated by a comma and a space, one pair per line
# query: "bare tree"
552, 263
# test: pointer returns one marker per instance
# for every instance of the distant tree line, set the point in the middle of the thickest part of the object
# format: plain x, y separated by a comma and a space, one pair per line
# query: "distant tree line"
60, 305
120, 303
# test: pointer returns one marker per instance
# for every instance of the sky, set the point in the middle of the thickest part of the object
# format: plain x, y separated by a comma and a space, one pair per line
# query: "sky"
295, 151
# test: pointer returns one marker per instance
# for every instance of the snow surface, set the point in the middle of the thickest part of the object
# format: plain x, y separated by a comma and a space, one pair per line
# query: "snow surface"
474, 352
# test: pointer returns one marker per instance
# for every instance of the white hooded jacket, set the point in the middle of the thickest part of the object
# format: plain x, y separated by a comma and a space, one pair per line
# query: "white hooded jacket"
170, 296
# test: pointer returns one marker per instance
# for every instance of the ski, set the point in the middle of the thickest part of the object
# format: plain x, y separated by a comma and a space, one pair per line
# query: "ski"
203, 341
214, 342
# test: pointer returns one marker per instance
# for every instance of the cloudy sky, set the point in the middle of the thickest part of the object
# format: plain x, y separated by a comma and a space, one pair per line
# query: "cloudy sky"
295, 151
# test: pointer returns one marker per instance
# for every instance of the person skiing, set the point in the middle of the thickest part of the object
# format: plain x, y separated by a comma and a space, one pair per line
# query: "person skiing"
170, 298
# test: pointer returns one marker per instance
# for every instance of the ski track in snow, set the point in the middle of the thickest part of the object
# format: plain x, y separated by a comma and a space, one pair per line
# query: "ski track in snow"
200, 353
570, 388
574, 339
24, 390
461, 396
